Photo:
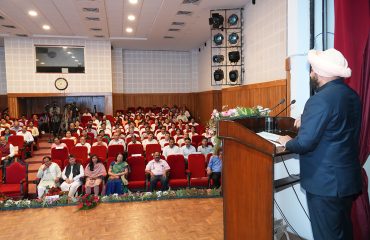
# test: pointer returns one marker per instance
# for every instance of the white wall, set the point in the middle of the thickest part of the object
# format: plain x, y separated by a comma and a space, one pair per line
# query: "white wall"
20, 67
156, 72
2, 72
117, 70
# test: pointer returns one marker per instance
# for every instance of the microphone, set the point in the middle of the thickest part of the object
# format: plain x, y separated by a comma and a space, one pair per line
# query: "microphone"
291, 103
280, 102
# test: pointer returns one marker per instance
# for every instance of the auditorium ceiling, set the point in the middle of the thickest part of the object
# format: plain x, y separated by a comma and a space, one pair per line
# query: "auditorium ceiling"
158, 25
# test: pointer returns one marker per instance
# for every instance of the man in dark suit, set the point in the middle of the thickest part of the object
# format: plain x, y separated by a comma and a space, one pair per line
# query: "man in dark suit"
327, 142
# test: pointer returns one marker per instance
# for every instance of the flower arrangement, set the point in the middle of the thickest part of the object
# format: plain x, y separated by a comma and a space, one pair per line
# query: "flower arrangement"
88, 201
53, 191
229, 114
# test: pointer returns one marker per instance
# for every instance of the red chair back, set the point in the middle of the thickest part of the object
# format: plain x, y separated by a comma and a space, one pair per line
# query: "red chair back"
61, 154
196, 139
91, 135
111, 119
135, 149
137, 168
197, 165
113, 150
80, 153
209, 155
85, 119
152, 148
177, 165
15, 173
100, 151
69, 142
16, 141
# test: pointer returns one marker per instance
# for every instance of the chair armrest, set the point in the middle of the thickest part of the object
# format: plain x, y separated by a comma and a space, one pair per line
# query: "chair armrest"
24, 187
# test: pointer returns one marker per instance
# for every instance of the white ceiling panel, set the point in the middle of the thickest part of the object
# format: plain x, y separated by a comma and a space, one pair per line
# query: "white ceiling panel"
154, 18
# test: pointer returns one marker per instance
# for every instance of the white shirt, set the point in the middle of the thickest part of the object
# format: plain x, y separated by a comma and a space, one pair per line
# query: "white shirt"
160, 135
12, 152
70, 177
27, 136
117, 142
163, 142
205, 150
167, 150
187, 151
157, 168
146, 142
49, 174
85, 145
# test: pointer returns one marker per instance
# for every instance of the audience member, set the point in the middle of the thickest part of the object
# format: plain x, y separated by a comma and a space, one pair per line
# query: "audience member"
214, 168
171, 149
57, 144
118, 171
69, 136
84, 143
72, 175
49, 174
94, 172
7, 152
187, 149
158, 169
205, 148
149, 140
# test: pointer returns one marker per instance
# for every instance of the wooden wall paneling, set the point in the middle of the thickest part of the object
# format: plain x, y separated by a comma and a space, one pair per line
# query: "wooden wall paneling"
266, 94
13, 105
3, 102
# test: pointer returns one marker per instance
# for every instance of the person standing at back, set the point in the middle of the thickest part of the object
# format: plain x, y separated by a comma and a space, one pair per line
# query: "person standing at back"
328, 143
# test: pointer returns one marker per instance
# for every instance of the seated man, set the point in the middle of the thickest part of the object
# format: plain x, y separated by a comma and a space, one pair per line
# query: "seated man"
34, 130
214, 168
116, 140
187, 149
100, 142
28, 138
49, 174
150, 140
205, 148
16, 126
162, 133
84, 143
7, 152
157, 168
165, 140
71, 175
134, 140
171, 149
57, 144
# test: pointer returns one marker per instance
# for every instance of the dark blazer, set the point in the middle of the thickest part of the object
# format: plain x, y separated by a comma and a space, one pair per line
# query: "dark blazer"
328, 141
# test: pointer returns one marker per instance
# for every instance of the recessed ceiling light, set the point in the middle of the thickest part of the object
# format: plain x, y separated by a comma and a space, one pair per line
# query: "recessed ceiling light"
73, 57
76, 60
69, 52
129, 30
42, 63
32, 13
64, 47
133, 1
46, 27
131, 17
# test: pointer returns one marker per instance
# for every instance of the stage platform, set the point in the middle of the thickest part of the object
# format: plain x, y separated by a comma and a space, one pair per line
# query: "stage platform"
181, 219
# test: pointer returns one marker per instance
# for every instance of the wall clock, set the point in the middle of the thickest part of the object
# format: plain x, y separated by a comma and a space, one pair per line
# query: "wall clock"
61, 84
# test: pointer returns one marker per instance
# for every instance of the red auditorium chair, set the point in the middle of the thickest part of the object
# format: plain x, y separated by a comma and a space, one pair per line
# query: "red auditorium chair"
113, 150
135, 149
111, 119
136, 177
81, 154
209, 155
104, 140
69, 142
197, 170
100, 151
16, 181
18, 141
196, 139
150, 149
178, 177
59, 154
85, 119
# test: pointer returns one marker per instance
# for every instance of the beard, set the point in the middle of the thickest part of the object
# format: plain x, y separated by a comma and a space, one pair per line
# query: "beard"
314, 82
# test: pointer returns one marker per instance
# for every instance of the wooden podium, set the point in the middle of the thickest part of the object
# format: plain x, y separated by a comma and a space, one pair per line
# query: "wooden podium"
248, 176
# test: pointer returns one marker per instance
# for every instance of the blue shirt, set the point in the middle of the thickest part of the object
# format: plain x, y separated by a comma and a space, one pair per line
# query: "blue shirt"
215, 164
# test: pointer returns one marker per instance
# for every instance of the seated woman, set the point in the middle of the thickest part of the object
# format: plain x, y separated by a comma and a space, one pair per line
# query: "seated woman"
57, 144
94, 172
69, 136
117, 181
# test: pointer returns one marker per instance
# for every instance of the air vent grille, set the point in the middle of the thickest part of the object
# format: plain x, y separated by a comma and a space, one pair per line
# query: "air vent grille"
93, 18
168, 37
186, 13
8, 26
174, 29
178, 23
95, 10
191, 2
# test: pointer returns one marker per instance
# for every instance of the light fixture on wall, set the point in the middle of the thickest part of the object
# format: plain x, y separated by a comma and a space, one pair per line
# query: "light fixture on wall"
234, 56
218, 39
216, 20
233, 75
218, 58
233, 19
233, 38
218, 75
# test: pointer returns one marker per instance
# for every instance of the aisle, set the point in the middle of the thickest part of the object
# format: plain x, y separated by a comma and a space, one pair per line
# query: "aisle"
35, 162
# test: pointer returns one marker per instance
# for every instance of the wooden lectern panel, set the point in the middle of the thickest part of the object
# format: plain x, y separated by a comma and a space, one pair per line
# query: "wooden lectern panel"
247, 183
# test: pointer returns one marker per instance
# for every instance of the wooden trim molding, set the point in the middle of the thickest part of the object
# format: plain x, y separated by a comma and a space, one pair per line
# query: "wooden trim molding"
59, 94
